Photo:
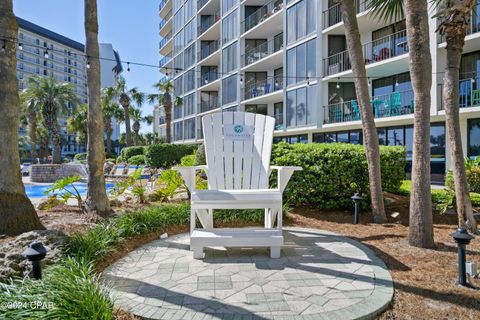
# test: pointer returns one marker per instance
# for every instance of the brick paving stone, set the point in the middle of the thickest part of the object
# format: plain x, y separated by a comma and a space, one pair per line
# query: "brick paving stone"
319, 276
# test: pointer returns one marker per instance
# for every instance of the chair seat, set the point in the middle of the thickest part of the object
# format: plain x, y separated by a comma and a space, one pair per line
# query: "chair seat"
254, 198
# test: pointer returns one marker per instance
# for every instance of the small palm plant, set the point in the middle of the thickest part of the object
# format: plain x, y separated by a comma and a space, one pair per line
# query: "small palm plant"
65, 189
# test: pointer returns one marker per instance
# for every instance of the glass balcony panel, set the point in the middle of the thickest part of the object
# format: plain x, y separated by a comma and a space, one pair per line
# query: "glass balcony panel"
261, 14
333, 15
262, 87
263, 50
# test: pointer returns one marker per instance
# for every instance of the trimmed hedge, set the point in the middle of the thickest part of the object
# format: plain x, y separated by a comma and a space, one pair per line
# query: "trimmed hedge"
333, 172
165, 155
137, 160
129, 152
80, 156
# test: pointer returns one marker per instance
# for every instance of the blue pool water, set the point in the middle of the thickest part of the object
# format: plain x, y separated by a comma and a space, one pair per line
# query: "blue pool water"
36, 191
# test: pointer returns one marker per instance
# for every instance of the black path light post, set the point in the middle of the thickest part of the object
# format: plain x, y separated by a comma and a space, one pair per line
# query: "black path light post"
35, 253
356, 198
462, 238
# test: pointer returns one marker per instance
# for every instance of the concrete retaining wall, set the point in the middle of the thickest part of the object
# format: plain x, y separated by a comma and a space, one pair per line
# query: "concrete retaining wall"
54, 172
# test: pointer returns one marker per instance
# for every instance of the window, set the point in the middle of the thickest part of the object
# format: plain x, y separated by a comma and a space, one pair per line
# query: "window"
189, 56
230, 27
342, 137
189, 9
178, 62
229, 89
257, 108
302, 138
178, 131
301, 20
291, 61
188, 103
395, 137
389, 41
278, 115
301, 106
301, 66
356, 137
178, 22
229, 58
189, 32
189, 129
301, 62
227, 5
177, 111
178, 42
255, 83
189, 83
178, 85
291, 105
473, 139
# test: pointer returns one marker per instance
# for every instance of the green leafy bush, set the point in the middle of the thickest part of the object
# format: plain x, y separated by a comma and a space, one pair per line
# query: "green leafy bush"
188, 161
137, 160
119, 160
166, 155
332, 173
110, 155
200, 158
472, 169
65, 189
129, 152
80, 156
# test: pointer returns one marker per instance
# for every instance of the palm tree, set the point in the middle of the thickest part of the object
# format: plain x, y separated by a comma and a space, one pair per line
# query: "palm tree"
97, 201
30, 114
17, 213
418, 39
125, 96
164, 97
77, 123
372, 149
137, 119
111, 110
52, 99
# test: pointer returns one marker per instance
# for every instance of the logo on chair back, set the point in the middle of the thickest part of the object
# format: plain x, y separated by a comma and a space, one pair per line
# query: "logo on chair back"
238, 132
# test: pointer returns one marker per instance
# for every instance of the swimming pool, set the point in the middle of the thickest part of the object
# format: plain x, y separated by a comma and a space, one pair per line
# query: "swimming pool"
38, 191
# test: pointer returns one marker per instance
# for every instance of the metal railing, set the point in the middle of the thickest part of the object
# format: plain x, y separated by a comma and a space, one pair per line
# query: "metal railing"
261, 15
163, 61
263, 50
210, 104
164, 40
206, 51
333, 15
162, 4
384, 106
207, 77
381, 49
164, 21
206, 24
469, 95
262, 87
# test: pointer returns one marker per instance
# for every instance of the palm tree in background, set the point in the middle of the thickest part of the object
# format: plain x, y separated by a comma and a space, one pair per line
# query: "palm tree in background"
372, 149
137, 118
125, 97
17, 214
164, 98
97, 200
111, 110
52, 99
77, 123
30, 118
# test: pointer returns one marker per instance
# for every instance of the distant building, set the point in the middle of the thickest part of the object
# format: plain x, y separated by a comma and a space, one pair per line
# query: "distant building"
44, 53
159, 124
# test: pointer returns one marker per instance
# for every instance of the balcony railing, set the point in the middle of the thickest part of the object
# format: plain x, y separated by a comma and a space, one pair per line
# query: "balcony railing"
265, 49
164, 40
259, 88
378, 50
207, 50
261, 14
162, 4
210, 104
469, 92
333, 15
207, 77
207, 23
164, 21
163, 61
387, 105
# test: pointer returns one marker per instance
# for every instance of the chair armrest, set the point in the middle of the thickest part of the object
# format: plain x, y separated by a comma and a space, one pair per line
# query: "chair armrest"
284, 175
188, 175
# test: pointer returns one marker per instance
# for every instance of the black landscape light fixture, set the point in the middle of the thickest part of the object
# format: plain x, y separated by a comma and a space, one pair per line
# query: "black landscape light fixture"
35, 253
462, 238
356, 198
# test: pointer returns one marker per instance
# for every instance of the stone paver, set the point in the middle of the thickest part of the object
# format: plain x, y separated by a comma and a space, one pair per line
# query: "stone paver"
320, 275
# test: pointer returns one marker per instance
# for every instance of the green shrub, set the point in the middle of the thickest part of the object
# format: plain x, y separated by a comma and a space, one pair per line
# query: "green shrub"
137, 160
111, 160
110, 155
472, 170
166, 155
200, 158
119, 160
80, 156
129, 152
188, 161
332, 173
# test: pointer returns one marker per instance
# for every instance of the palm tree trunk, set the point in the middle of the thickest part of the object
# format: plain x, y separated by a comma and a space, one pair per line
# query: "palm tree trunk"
128, 130
455, 38
97, 201
168, 118
372, 149
32, 132
108, 131
17, 214
54, 135
136, 130
421, 224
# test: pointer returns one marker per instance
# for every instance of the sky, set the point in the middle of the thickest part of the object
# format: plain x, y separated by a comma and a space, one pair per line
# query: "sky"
131, 26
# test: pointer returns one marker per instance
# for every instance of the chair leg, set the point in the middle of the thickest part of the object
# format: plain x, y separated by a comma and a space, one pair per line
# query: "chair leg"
274, 252
279, 217
193, 219
197, 252
268, 213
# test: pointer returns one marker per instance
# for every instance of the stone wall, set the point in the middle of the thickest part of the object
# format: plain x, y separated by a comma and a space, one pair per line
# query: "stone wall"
54, 172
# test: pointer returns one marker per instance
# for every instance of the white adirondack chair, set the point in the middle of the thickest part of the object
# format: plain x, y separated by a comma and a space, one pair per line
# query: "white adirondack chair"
238, 147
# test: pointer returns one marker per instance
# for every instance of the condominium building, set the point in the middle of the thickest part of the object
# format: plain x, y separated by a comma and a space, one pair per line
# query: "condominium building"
288, 59
42, 52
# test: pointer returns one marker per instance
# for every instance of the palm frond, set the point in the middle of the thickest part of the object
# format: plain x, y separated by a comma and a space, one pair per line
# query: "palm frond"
387, 10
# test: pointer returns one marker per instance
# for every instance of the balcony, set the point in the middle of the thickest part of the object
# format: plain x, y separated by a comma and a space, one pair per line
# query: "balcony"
261, 88
163, 62
375, 51
210, 104
206, 22
207, 49
473, 26
208, 81
261, 15
469, 92
262, 51
384, 106
164, 40
164, 8
165, 25
333, 15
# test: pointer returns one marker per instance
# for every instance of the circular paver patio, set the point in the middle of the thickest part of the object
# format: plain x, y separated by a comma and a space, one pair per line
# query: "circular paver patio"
320, 275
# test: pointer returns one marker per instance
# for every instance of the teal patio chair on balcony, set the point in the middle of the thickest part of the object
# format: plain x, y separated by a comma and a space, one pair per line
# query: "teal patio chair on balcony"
355, 115
396, 104
475, 97
337, 115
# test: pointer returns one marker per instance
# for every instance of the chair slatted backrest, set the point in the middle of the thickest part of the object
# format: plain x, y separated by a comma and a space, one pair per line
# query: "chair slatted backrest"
238, 146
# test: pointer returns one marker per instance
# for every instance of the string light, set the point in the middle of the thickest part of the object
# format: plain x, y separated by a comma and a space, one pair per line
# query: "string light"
206, 80
128, 66
369, 82
276, 82
4, 46
88, 62
338, 84
396, 83
473, 80
241, 80
45, 53
20, 46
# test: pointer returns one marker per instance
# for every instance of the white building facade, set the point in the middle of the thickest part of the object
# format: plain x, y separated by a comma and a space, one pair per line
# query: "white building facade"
42, 52
288, 59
